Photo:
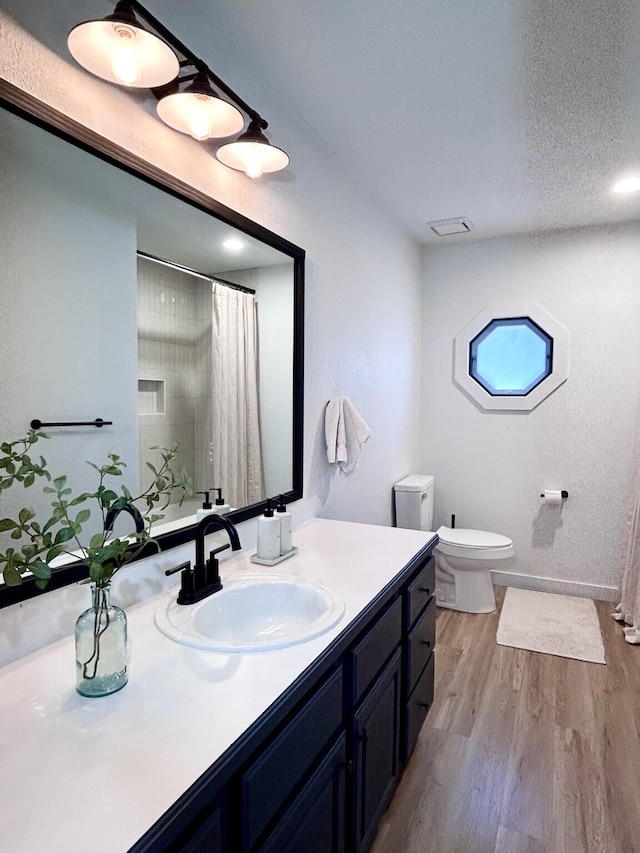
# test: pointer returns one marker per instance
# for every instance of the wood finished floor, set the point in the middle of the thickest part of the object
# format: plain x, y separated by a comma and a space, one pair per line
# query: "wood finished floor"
522, 752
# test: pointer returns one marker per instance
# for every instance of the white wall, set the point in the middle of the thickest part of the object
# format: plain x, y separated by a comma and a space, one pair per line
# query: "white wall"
363, 273
490, 467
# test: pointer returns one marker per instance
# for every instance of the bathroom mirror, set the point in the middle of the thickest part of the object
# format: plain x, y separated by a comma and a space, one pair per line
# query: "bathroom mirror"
109, 270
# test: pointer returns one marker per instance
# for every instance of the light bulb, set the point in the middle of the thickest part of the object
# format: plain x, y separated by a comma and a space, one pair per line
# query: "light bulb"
199, 121
254, 167
124, 64
627, 185
233, 244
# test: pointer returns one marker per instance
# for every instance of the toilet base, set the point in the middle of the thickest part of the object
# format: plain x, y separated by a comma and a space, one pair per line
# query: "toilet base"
470, 591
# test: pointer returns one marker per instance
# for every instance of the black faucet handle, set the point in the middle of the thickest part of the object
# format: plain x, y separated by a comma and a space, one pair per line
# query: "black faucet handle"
215, 551
182, 567
212, 575
187, 582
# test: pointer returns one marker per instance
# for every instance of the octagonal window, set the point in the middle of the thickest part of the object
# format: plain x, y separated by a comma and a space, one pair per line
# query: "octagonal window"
511, 356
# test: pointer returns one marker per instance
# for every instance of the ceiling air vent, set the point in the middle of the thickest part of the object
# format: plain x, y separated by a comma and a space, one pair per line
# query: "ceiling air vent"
447, 227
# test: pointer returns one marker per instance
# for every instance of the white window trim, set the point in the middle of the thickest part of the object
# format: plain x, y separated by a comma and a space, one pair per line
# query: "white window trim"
506, 403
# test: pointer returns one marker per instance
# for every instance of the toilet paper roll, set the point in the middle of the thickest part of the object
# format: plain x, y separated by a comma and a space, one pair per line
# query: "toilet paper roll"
552, 497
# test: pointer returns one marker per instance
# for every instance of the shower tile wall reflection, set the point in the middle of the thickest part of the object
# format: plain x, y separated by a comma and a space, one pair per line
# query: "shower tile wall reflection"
174, 353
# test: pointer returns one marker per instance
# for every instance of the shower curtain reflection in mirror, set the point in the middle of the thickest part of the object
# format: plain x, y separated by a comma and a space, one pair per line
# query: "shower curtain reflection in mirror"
198, 381
236, 454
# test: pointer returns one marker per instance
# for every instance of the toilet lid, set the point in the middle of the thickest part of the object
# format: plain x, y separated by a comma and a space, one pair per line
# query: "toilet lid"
464, 538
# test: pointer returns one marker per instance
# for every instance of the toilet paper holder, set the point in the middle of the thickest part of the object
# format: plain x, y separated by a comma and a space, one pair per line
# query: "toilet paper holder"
564, 494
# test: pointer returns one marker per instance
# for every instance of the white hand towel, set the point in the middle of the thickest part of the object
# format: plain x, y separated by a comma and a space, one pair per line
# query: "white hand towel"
331, 420
356, 433
345, 433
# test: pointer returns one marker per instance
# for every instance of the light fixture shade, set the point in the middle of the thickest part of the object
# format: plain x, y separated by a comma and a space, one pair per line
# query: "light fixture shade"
199, 110
252, 153
120, 50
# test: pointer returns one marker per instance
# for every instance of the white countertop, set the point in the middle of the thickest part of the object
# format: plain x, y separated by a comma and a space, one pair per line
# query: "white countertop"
82, 774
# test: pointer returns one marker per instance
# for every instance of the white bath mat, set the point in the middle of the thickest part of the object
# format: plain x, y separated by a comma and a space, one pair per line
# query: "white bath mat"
554, 624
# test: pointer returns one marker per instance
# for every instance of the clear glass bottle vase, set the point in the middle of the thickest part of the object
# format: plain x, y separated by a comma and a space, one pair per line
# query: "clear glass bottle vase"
101, 645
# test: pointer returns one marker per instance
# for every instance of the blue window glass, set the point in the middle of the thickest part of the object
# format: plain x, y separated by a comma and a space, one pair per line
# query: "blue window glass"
511, 356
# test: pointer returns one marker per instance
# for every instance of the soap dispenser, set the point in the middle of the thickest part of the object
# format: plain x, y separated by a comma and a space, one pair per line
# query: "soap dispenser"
285, 526
206, 508
268, 535
221, 507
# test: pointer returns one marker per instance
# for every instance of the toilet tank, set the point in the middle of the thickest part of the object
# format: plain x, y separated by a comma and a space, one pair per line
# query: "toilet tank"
414, 502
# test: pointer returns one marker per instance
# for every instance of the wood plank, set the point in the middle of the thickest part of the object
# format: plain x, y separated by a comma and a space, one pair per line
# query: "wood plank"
581, 819
528, 801
510, 841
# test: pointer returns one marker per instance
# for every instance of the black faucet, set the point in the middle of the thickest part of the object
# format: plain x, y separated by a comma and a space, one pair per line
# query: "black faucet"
204, 578
133, 511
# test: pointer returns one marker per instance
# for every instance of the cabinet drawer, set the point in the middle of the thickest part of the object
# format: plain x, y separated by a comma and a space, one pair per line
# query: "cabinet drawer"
369, 655
270, 780
417, 708
419, 591
420, 645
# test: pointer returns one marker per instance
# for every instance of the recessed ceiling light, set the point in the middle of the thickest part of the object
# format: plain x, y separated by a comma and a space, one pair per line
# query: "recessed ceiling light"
627, 185
233, 244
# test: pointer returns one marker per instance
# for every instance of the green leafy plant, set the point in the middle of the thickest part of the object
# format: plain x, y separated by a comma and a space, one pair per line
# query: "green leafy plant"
39, 542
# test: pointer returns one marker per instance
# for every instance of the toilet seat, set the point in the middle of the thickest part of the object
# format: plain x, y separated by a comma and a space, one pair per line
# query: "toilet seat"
474, 544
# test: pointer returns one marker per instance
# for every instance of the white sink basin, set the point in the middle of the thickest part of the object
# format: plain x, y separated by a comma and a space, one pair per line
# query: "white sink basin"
251, 613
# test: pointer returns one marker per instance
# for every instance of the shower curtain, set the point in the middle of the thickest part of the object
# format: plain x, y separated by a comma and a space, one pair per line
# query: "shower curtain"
628, 611
236, 446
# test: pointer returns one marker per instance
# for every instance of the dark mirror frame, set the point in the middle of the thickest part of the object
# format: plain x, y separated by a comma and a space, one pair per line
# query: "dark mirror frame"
21, 103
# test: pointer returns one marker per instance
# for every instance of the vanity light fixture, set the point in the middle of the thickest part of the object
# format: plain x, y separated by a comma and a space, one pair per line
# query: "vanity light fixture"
200, 111
252, 153
121, 50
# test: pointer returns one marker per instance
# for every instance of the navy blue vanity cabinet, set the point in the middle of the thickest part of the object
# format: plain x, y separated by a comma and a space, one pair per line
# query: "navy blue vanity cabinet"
209, 836
315, 820
419, 636
374, 664
292, 768
416, 709
202, 824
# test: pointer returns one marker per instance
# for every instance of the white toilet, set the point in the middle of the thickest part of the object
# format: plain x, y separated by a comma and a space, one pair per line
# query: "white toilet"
464, 558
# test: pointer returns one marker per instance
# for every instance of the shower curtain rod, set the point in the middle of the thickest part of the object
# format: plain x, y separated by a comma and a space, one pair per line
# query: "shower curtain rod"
184, 269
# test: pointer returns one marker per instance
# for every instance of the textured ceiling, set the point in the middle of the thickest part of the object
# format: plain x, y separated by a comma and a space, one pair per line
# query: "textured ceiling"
517, 114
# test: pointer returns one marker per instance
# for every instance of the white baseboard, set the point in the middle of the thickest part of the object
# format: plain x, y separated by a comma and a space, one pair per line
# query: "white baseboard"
583, 590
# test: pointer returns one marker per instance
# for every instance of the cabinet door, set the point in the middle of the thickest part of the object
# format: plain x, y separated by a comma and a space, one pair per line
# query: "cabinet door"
274, 776
207, 838
201, 825
377, 755
314, 822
